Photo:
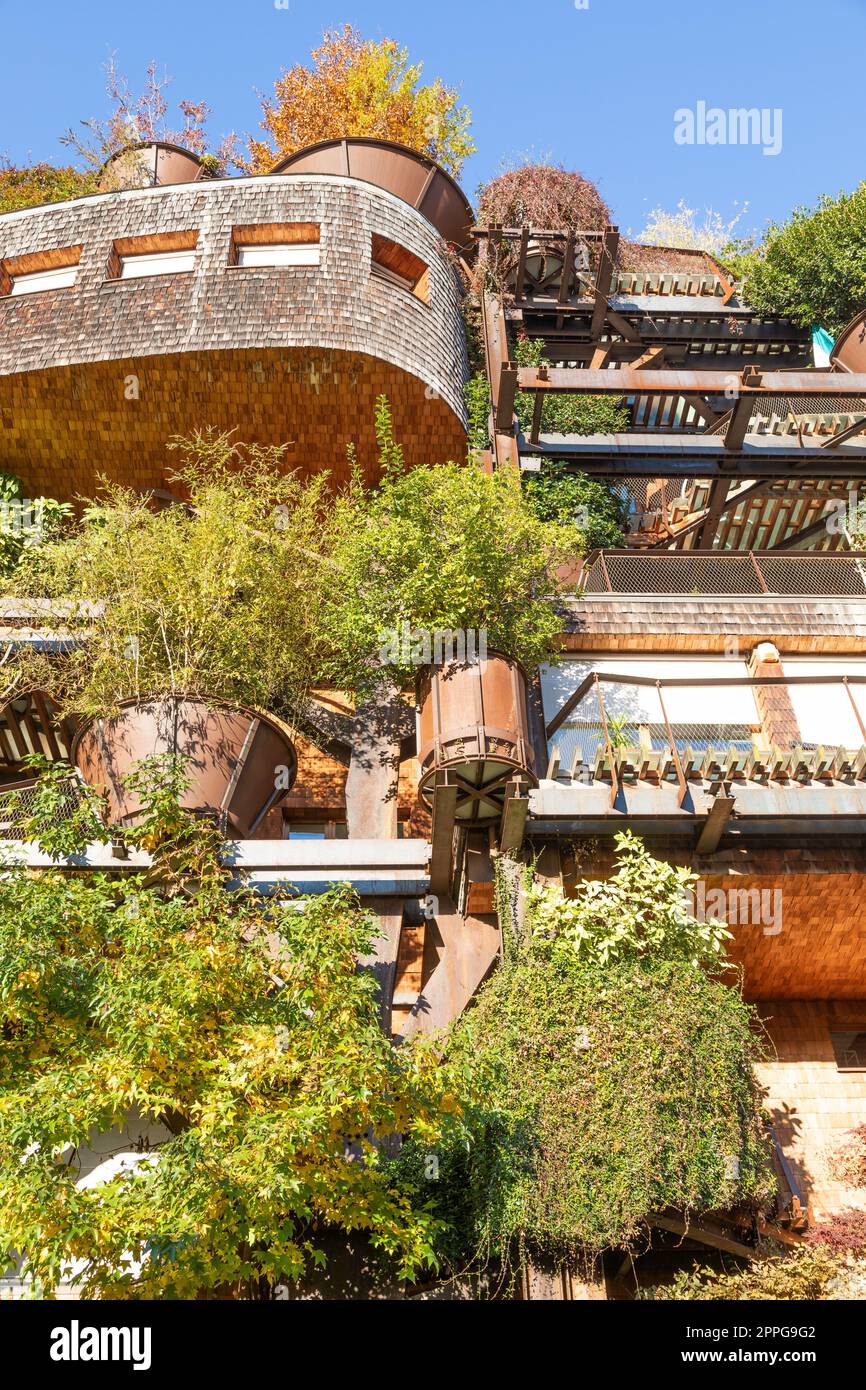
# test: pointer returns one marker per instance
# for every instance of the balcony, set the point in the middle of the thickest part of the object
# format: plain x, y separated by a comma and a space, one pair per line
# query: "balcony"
668, 751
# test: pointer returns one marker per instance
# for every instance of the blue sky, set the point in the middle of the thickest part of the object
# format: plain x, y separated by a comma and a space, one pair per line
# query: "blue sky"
594, 88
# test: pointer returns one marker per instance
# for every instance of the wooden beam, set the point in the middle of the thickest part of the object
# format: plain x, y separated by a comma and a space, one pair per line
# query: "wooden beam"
704, 1235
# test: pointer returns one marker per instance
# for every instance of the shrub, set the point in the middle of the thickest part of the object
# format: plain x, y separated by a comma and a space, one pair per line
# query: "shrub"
215, 597
32, 185
848, 1164
573, 499
542, 196
25, 523
445, 548
843, 1233
565, 414
642, 910
242, 1024
616, 1085
813, 266
357, 86
809, 1273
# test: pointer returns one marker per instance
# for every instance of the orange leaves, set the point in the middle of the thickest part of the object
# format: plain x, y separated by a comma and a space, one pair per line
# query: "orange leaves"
357, 87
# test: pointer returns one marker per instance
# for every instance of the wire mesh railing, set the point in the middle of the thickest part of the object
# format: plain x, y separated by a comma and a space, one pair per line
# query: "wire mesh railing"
831, 574
18, 804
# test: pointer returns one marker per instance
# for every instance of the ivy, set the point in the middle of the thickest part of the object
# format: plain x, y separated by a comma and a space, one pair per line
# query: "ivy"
617, 1083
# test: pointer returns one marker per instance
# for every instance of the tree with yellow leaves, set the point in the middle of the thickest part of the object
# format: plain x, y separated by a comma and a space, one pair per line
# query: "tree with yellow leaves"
358, 87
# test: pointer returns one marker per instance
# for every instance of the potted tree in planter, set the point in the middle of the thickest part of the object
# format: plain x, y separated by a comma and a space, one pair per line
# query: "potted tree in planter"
190, 627
446, 578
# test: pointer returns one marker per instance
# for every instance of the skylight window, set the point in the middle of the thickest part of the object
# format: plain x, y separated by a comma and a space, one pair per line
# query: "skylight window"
400, 267
160, 253
56, 269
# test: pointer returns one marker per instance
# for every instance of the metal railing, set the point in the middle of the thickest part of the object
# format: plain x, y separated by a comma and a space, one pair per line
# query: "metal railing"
18, 802
820, 574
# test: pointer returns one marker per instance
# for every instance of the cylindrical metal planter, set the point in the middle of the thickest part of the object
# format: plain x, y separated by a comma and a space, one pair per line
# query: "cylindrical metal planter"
849, 349
414, 177
240, 763
474, 724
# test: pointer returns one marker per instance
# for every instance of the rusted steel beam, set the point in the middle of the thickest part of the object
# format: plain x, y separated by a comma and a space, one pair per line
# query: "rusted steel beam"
442, 834
762, 459
504, 420
521, 262
514, 813
604, 278
626, 381
651, 357
714, 826
716, 505
738, 425
567, 278
836, 439
806, 534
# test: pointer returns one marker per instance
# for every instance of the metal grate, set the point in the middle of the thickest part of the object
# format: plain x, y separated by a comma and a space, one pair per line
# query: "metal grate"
17, 803
836, 573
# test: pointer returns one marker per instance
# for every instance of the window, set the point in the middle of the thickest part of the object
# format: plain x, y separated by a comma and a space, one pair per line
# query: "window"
275, 244
316, 830
41, 270
401, 267
161, 263
165, 253
850, 1048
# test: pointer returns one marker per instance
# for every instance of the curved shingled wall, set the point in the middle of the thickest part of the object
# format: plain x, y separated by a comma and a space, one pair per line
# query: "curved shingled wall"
289, 354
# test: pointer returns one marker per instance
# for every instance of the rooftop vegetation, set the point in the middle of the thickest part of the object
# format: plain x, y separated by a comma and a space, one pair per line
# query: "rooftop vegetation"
356, 86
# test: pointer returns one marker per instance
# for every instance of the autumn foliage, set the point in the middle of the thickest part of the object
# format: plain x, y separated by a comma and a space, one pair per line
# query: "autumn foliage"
357, 87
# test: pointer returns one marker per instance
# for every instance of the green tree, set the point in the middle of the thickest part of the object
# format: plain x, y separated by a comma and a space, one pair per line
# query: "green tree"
811, 267
214, 595
450, 547
240, 1023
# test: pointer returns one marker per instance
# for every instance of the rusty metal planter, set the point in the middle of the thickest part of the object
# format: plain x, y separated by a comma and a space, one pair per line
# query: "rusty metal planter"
474, 725
234, 756
414, 177
849, 349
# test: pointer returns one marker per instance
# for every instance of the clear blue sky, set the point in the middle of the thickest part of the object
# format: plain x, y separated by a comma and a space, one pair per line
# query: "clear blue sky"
594, 88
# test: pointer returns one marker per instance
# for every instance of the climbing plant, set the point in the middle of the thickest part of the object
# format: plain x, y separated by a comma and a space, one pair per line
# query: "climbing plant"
619, 1083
